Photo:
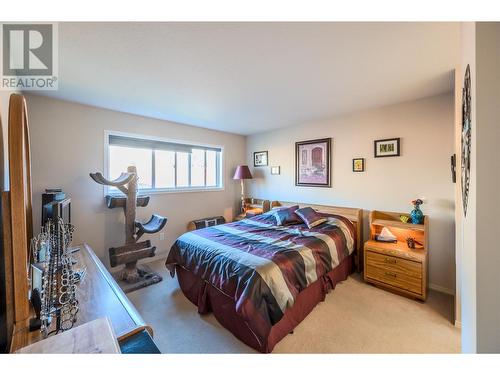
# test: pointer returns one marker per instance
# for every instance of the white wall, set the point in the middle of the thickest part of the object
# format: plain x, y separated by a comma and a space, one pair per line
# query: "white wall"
488, 186
478, 249
426, 128
458, 197
466, 226
67, 142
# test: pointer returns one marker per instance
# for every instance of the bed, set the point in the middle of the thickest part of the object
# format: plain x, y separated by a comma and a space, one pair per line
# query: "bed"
261, 279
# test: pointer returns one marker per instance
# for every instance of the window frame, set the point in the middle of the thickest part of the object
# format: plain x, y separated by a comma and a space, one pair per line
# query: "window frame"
220, 170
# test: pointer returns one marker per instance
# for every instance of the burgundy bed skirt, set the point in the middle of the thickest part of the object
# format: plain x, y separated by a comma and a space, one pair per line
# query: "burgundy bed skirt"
210, 299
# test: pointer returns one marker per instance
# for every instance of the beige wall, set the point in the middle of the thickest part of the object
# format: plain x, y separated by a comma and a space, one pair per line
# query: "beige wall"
426, 128
67, 142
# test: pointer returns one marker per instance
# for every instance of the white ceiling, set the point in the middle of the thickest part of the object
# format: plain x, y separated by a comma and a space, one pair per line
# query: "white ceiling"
251, 77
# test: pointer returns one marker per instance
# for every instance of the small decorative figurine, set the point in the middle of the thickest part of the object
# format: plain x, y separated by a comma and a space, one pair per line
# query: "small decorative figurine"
417, 217
404, 218
412, 243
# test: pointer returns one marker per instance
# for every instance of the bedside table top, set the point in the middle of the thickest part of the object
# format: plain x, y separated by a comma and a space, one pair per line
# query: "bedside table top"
253, 211
399, 249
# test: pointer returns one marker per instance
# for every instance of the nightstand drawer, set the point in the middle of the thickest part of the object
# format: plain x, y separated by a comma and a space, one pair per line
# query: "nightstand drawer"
394, 264
395, 279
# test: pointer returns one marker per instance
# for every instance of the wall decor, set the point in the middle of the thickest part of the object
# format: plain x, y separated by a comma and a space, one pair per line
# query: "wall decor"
358, 165
260, 159
387, 147
312, 163
466, 138
275, 170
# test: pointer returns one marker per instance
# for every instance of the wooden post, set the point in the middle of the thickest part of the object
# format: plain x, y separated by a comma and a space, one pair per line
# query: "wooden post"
130, 207
130, 273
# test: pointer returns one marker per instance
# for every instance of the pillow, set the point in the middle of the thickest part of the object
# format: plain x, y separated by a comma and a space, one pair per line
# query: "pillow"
287, 216
310, 217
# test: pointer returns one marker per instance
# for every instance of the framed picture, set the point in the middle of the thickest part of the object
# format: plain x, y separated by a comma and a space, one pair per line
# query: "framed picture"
260, 159
387, 147
358, 165
275, 170
312, 163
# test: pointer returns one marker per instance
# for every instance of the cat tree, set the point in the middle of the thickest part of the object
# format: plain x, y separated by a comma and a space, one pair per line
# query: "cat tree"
132, 276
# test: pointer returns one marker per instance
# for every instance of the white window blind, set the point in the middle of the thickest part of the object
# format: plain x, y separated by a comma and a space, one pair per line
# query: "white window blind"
164, 165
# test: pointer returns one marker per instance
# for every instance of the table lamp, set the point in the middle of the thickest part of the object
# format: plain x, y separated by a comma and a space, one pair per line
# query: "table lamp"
242, 173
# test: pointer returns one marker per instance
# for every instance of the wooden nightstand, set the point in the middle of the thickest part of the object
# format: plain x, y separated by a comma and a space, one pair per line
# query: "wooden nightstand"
255, 206
395, 266
241, 216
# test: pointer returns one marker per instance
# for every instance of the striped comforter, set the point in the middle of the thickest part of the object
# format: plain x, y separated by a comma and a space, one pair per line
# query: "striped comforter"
260, 265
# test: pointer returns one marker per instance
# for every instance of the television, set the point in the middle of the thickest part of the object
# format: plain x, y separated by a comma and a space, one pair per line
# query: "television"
55, 205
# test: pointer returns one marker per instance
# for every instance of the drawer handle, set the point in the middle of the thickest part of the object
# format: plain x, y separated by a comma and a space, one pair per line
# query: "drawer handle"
390, 260
391, 274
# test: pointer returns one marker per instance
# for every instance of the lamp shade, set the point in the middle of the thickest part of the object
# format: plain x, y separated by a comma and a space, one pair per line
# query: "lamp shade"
242, 173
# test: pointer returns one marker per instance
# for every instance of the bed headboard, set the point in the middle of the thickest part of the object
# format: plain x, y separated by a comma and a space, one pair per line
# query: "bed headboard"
355, 215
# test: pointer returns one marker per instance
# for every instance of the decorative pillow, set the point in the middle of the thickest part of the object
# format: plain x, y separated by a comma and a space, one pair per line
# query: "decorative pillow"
287, 216
310, 217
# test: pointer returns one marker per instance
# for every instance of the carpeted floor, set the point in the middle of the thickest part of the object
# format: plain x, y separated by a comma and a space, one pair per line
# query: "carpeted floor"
354, 318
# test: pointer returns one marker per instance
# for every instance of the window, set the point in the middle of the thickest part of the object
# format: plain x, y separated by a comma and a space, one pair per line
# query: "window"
165, 165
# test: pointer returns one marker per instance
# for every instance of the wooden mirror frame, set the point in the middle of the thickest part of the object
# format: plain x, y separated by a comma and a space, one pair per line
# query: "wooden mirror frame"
17, 217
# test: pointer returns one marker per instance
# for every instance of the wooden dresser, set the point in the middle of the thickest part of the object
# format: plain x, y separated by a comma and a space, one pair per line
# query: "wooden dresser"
395, 266
98, 296
95, 337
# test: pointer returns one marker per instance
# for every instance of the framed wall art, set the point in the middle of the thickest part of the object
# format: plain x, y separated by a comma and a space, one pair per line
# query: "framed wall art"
387, 147
312, 163
260, 159
358, 165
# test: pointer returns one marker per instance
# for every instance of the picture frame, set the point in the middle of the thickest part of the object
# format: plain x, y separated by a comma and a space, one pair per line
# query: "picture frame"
313, 162
276, 170
260, 159
387, 147
358, 165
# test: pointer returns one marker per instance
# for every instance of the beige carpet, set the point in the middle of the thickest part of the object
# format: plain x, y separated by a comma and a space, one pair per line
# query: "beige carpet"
354, 318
